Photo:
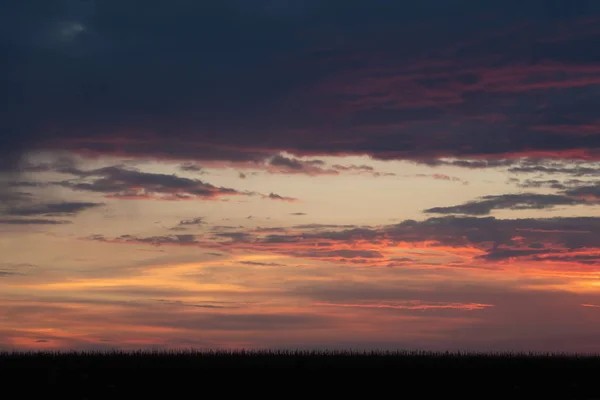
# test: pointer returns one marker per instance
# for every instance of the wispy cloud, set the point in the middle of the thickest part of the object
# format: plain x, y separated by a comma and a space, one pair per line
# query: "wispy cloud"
411, 305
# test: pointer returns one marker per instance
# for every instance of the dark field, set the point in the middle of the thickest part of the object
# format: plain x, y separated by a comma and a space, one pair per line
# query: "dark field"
410, 374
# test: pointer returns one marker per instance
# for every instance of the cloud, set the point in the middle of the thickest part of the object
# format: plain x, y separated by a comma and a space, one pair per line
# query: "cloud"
589, 192
345, 254
298, 213
590, 305
496, 82
573, 168
192, 221
550, 183
321, 226
441, 177
63, 209
177, 240
188, 304
410, 305
522, 201
190, 167
123, 183
361, 169
279, 164
275, 196
466, 163
471, 242
235, 236
261, 264
128, 184
32, 221
9, 197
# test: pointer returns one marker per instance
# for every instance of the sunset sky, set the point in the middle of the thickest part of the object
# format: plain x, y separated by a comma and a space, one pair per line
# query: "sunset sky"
365, 174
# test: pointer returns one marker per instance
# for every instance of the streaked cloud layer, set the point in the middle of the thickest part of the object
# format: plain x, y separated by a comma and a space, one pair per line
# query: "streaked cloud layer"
300, 174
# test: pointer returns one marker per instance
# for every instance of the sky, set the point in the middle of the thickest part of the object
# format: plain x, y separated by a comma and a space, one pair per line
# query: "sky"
364, 174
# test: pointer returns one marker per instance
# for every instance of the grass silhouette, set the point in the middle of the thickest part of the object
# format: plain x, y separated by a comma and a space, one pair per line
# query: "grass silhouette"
296, 358
104, 374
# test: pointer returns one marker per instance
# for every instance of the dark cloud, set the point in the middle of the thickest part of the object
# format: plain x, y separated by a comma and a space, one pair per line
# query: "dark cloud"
522, 201
181, 240
281, 164
503, 254
192, 221
483, 243
131, 184
32, 221
341, 254
322, 226
496, 238
532, 183
11, 198
275, 196
64, 209
188, 304
235, 236
441, 177
261, 264
361, 169
573, 168
471, 164
591, 192
225, 227
411, 80
123, 183
587, 259
189, 167
270, 229
298, 213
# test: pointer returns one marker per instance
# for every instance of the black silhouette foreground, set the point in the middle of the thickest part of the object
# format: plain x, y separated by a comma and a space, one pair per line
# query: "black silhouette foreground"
209, 374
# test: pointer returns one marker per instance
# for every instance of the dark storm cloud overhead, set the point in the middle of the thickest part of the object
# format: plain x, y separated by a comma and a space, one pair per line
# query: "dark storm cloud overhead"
239, 81
521, 201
